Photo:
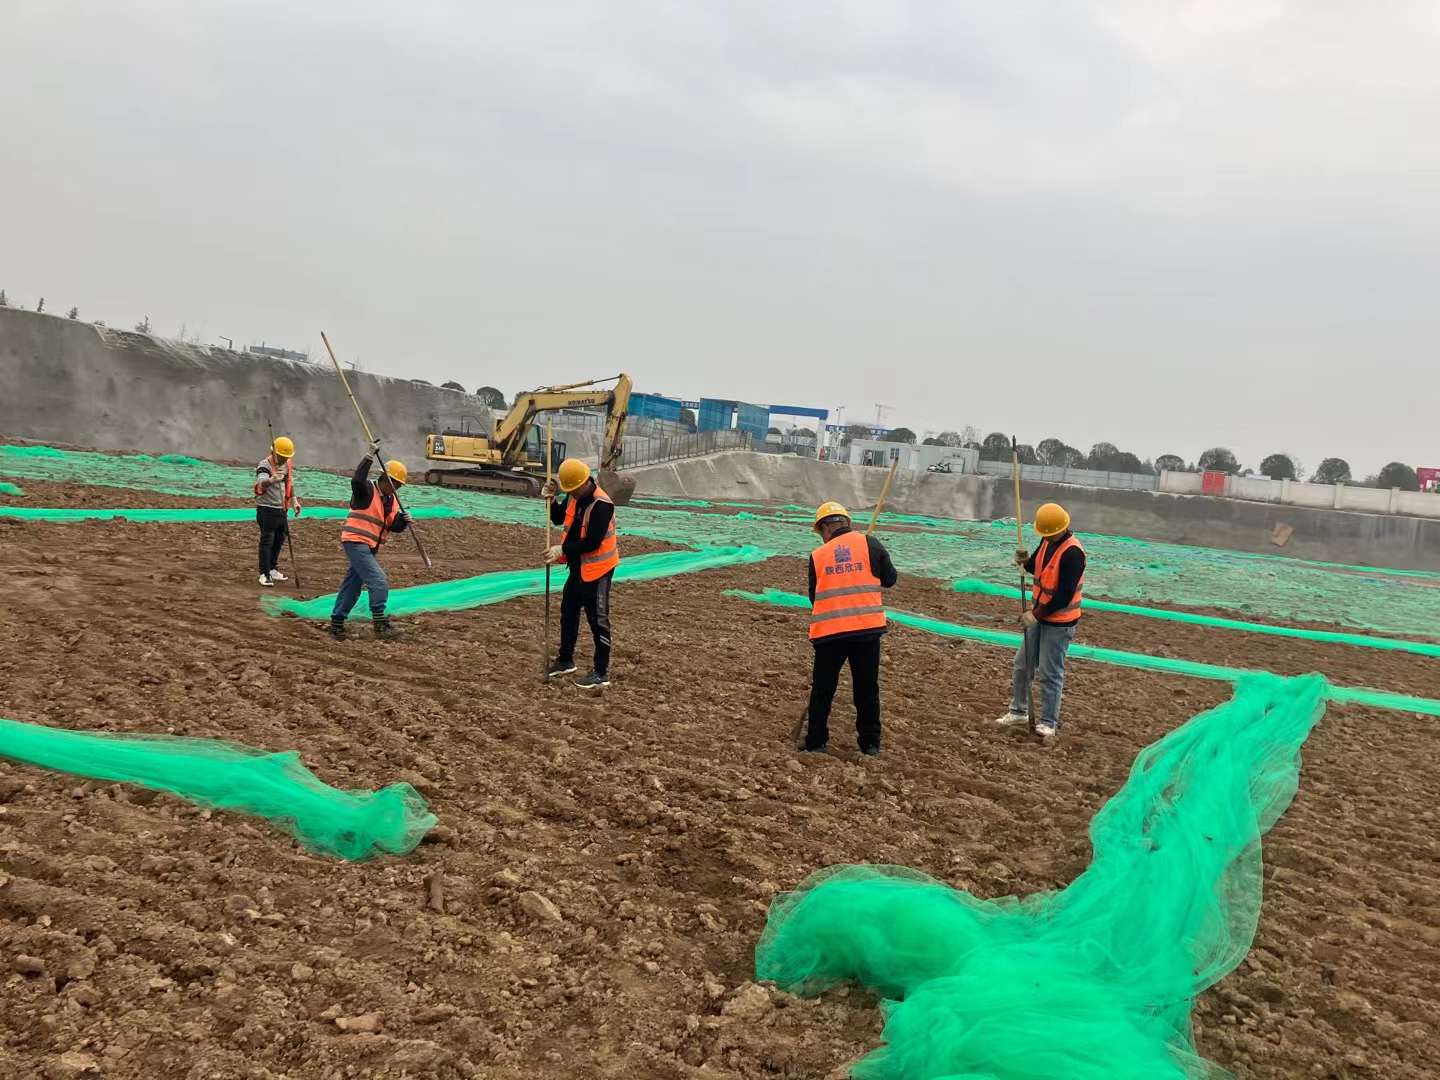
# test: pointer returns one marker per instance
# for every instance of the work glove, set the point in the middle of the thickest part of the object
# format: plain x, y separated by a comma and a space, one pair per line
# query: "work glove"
1028, 620
375, 449
554, 554
1021, 558
548, 489
297, 507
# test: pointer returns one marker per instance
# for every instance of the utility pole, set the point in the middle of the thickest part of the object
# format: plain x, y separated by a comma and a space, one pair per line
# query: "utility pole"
229, 342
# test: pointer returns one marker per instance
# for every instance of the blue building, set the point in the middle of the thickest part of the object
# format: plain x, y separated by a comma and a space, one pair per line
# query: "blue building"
718, 415
655, 407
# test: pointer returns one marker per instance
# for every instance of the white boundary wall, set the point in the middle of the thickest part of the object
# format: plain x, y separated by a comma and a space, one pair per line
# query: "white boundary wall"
1319, 496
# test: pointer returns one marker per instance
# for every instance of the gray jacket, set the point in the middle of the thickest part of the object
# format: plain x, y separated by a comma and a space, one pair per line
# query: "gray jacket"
274, 495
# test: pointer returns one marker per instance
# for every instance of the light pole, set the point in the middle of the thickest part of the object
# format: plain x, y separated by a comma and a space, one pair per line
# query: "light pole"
229, 342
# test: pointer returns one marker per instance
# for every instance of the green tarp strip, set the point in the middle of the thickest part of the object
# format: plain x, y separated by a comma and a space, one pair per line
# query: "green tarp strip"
227, 776
10, 489
1350, 695
1195, 618
1096, 981
195, 515
507, 584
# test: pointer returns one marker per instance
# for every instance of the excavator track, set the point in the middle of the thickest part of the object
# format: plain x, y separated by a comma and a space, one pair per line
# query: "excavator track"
495, 481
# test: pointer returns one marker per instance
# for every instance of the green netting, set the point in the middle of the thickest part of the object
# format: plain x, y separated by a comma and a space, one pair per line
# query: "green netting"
194, 515
1364, 641
226, 776
507, 584
1094, 981
1349, 695
10, 489
1275, 588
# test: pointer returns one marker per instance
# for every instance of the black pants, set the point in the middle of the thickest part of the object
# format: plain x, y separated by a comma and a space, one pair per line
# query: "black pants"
272, 536
863, 655
592, 597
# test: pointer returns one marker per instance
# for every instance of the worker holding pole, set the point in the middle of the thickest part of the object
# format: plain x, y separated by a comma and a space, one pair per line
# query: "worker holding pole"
847, 621
590, 549
1058, 568
375, 513
274, 496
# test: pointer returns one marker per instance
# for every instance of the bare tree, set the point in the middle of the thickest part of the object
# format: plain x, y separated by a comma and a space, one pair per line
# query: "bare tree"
40, 306
143, 325
73, 313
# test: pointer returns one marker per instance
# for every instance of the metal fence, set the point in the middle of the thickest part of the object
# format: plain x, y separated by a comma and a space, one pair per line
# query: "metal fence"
1059, 474
652, 450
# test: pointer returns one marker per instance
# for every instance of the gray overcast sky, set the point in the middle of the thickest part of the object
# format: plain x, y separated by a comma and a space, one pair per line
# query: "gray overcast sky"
1163, 224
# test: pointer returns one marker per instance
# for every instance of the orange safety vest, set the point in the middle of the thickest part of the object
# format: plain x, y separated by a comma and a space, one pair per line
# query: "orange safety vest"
847, 594
370, 525
1047, 580
606, 557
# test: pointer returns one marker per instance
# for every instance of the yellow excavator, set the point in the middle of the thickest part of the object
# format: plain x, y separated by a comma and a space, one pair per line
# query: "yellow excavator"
511, 456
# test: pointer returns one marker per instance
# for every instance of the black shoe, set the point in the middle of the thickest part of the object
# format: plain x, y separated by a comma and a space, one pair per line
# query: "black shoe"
558, 668
870, 751
337, 629
593, 681
383, 630
818, 748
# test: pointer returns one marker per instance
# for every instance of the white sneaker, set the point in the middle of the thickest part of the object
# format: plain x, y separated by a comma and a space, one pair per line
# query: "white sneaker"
1046, 731
276, 575
265, 580
1012, 718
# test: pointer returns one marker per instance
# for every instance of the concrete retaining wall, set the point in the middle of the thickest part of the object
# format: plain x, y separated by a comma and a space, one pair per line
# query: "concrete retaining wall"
1328, 535
71, 382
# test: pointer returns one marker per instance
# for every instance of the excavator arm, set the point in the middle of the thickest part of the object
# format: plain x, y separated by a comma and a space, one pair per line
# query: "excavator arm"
510, 430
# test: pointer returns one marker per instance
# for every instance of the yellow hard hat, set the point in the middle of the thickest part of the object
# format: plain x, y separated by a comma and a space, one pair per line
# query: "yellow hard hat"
283, 447
829, 510
1051, 520
573, 473
396, 471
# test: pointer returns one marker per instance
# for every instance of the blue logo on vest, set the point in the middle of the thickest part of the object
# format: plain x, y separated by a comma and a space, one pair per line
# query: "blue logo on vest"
842, 553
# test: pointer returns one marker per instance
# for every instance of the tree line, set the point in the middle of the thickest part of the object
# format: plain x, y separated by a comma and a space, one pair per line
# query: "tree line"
1107, 457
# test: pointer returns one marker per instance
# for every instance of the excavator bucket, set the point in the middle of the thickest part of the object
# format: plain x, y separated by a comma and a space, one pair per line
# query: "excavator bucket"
620, 487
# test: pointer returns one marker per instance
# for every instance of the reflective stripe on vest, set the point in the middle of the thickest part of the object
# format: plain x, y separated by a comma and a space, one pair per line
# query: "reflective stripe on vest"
847, 593
370, 525
1047, 580
595, 564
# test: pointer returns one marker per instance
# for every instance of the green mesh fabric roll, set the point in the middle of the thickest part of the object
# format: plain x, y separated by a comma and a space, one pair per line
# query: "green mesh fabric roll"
1095, 982
226, 776
11, 489
483, 589
194, 515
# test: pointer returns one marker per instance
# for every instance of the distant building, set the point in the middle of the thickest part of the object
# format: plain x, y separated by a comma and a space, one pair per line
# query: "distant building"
278, 353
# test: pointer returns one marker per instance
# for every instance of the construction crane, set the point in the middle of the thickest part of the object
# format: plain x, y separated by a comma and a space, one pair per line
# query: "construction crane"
511, 457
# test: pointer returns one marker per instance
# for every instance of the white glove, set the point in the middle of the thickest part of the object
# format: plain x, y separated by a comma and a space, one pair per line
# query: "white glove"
547, 489
554, 554
1028, 620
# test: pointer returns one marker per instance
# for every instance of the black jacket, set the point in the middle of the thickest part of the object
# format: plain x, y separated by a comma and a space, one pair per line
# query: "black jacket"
579, 541
880, 566
362, 490
1072, 566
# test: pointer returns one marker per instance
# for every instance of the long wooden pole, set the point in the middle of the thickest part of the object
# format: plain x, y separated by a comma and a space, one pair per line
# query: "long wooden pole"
884, 492
549, 501
1019, 516
372, 441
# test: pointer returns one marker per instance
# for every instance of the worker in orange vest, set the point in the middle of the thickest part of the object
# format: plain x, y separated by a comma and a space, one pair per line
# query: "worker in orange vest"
374, 514
1058, 566
591, 550
847, 621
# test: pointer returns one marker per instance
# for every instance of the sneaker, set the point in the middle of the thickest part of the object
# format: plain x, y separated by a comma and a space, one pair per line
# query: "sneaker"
276, 575
337, 629
265, 580
383, 630
1012, 717
593, 681
558, 668
870, 751
1046, 731
818, 748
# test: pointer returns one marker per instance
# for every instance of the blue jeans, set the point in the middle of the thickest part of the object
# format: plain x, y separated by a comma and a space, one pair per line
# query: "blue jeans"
364, 573
1042, 657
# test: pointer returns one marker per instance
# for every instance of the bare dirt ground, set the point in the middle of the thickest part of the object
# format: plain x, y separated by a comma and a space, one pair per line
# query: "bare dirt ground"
142, 938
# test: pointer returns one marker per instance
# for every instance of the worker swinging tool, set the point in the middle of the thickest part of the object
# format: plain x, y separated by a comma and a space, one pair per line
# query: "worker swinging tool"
375, 513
